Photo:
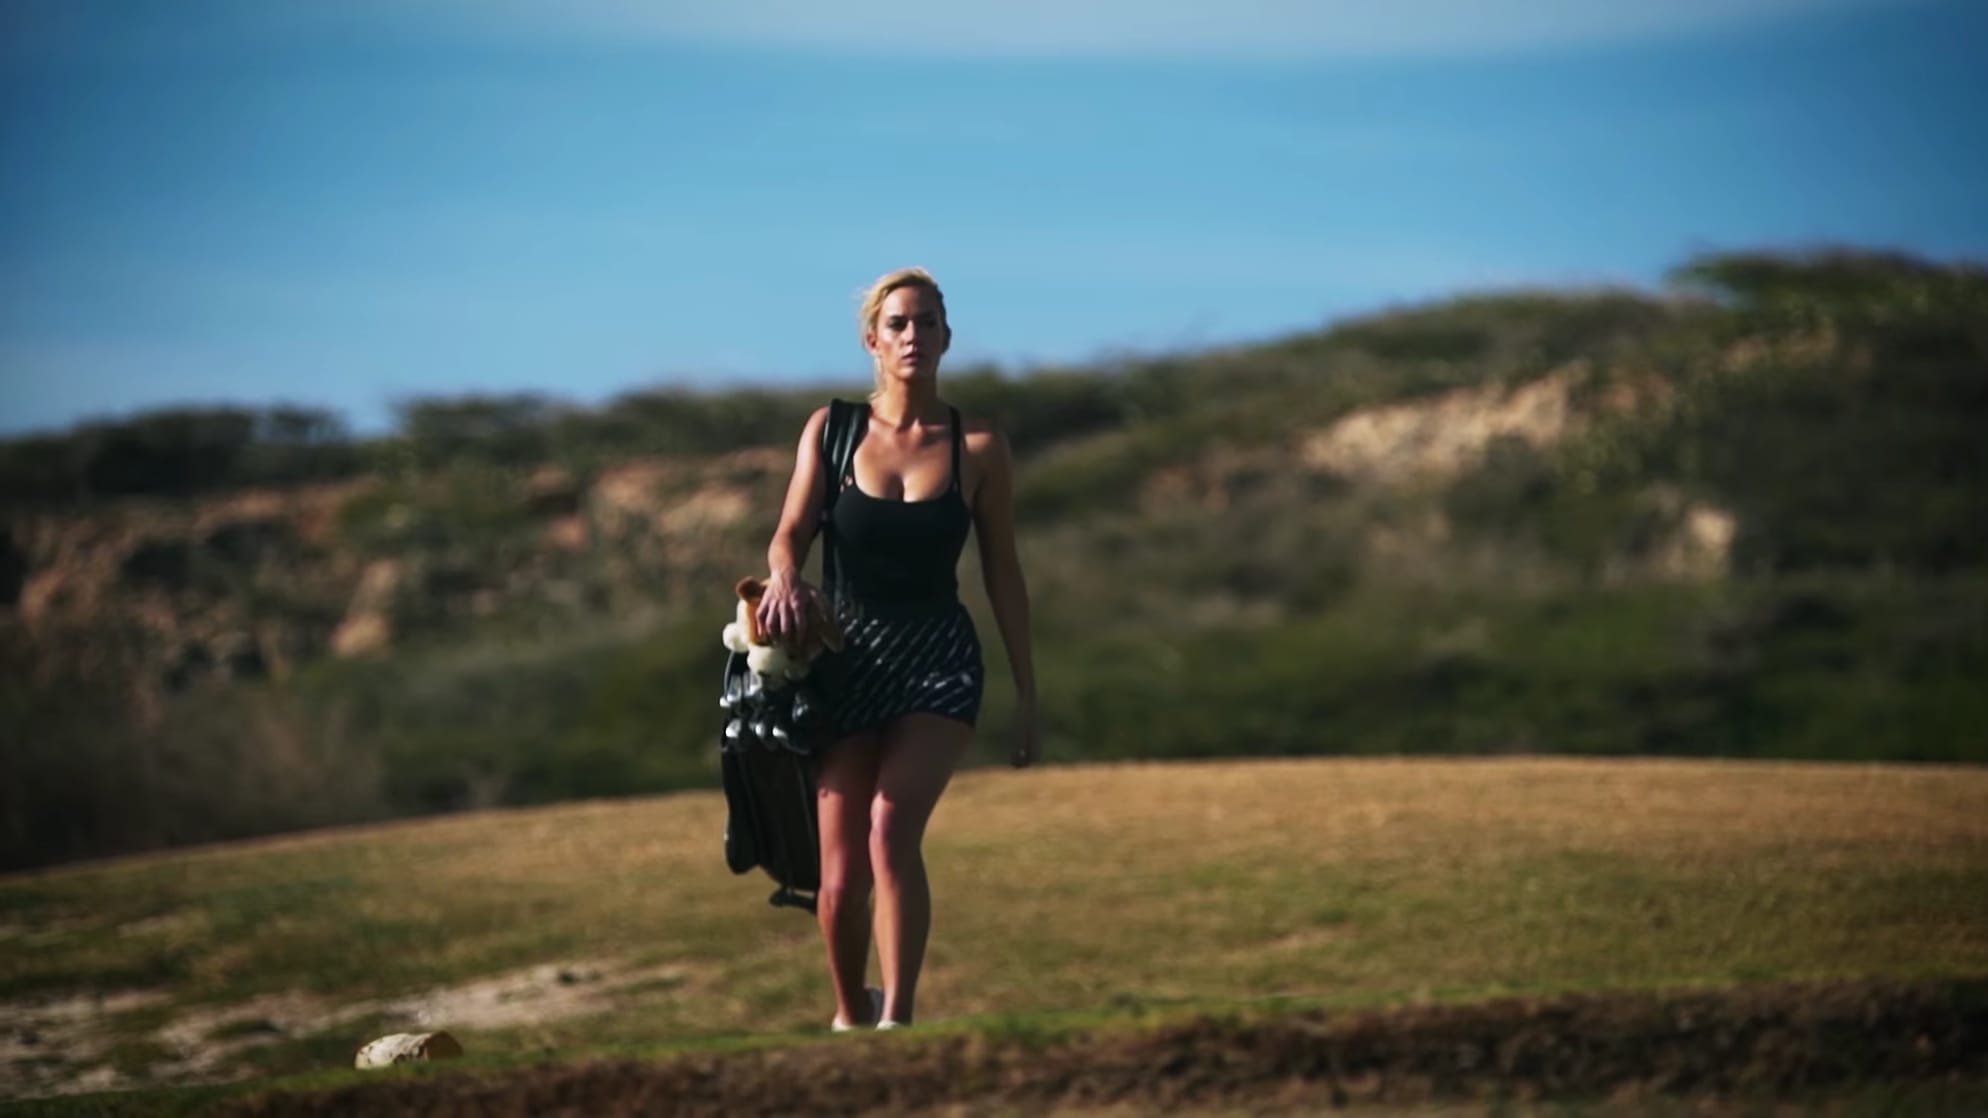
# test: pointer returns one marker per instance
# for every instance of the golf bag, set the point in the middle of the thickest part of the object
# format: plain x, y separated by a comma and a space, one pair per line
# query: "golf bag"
773, 737
767, 757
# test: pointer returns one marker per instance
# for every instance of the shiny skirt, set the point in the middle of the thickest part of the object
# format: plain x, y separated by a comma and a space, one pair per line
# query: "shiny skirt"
905, 659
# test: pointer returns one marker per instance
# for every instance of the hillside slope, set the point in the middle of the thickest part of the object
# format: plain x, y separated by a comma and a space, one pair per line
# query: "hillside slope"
1749, 517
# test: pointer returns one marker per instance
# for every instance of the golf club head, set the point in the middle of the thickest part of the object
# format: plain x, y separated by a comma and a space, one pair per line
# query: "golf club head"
780, 737
807, 709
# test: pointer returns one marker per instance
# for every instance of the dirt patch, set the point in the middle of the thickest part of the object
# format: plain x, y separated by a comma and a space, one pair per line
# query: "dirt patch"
60, 1045
1777, 1041
553, 992
33, 1025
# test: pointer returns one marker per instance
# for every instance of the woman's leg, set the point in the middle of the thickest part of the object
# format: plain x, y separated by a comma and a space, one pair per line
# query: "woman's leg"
919, 753
845, 785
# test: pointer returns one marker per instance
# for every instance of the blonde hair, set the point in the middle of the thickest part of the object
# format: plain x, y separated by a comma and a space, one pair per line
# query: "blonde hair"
873, 298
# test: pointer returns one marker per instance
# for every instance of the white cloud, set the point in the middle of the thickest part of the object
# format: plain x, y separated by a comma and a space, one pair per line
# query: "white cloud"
1242, 29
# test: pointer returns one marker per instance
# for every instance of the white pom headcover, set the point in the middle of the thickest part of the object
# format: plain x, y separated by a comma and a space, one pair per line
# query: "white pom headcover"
768, 659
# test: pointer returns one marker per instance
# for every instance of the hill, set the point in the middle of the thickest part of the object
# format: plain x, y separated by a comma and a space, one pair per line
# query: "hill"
1746, 516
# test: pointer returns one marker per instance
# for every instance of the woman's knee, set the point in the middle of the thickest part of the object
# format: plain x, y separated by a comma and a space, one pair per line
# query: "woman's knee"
846, 875
896, 835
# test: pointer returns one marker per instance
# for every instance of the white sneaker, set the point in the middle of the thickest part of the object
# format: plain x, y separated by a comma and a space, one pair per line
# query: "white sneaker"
876, 1011
893, 1025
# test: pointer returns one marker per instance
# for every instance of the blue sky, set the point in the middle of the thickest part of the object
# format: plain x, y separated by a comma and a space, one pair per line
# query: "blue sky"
349, 202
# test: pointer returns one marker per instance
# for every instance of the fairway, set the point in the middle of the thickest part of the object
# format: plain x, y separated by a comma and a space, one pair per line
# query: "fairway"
1066, 896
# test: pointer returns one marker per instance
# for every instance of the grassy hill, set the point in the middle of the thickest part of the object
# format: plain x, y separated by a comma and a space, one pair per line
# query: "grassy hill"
1121, 899
1746, 516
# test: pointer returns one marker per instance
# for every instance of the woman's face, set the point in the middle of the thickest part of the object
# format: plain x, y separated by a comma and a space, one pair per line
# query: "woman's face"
910, 334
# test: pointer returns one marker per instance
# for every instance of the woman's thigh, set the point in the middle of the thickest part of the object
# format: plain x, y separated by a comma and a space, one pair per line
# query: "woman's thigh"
845, 784
917, 756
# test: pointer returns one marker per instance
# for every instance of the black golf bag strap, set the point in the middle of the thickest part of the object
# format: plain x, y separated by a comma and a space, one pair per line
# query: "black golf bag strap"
838, 447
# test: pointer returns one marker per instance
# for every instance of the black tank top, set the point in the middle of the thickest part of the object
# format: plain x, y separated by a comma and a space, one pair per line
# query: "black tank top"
899, 552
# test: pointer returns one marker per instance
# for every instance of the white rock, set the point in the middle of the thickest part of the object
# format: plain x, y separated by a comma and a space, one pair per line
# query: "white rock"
404, 1048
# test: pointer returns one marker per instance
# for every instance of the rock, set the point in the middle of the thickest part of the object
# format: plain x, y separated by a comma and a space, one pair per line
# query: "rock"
368, 623
361, 633
655, 498
377, 587
710, 509
552, 492
569, 534
404, 1048
1708, 536
1441, 437
1694, 540
626, 499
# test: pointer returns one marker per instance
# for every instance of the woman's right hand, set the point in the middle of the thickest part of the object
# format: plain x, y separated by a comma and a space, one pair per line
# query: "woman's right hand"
783, 610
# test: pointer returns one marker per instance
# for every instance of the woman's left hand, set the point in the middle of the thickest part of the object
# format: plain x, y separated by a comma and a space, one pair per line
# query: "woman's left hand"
783, 609
1028, 734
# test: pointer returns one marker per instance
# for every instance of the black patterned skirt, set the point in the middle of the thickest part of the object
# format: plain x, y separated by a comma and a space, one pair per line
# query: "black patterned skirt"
905, 659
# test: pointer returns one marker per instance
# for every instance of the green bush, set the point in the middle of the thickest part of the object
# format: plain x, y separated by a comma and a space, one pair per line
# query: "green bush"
176, 452
516, 718
1834, 671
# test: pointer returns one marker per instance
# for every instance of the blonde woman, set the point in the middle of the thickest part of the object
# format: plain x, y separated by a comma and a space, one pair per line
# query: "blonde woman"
921, 478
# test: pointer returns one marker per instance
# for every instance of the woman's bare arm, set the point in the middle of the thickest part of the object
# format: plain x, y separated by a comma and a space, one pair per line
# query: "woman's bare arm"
1007, 590
785, 606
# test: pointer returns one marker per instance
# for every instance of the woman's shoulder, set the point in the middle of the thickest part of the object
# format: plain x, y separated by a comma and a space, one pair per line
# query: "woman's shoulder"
976, 426
984, 442
816, 425
981, 432
817, 419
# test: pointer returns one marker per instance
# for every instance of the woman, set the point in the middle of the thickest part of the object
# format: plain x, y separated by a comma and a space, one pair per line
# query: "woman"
920, 477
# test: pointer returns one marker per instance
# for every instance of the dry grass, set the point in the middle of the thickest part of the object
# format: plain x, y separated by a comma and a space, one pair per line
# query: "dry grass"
1062, 893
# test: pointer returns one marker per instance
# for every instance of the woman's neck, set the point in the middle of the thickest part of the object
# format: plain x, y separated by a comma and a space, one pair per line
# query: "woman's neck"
900, 404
